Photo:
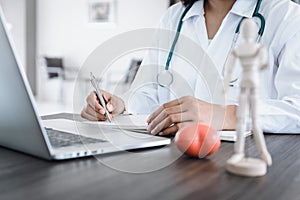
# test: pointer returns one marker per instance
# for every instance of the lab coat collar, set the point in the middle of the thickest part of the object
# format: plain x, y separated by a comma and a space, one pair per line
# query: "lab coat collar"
196, 10
244, 8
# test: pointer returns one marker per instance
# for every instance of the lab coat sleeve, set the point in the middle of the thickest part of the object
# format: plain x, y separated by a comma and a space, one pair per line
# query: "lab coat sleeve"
143, 96
282, 115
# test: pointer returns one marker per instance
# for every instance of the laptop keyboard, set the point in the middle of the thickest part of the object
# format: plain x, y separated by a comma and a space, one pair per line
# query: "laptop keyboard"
60, 139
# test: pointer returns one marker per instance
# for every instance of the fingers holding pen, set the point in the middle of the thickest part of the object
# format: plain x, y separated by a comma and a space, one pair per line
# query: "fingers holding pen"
108, 101
93, 110
92, 101
107, 96
98, 115
89, 113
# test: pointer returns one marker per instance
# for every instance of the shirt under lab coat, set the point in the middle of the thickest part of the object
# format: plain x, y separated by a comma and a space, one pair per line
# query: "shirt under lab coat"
279, 109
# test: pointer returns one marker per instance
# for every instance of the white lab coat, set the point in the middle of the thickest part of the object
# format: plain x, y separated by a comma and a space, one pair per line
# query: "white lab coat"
279, 85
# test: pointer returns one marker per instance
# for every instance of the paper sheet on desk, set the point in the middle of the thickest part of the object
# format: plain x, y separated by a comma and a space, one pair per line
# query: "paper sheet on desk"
61, 125
136, 123
231, 136
127, 122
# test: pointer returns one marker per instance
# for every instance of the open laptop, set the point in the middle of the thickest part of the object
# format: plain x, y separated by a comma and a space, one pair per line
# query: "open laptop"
21, 127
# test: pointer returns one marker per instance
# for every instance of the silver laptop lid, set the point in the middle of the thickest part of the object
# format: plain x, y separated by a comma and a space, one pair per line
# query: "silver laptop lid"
20, 127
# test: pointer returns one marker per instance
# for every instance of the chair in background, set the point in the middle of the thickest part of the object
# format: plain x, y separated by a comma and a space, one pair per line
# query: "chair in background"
132, 71
54, 67
52, 72
119, 82
56, 80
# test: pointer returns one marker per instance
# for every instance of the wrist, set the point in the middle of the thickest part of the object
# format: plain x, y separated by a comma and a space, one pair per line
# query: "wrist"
123, 106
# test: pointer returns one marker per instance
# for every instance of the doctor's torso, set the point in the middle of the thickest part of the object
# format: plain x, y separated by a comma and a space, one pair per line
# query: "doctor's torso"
217, 49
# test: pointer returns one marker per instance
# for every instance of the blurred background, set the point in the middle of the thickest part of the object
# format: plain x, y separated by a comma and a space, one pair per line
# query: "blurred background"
53, 38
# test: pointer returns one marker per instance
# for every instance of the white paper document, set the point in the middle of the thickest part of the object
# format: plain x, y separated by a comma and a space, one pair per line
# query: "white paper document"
127, 122
136, 123
231, 136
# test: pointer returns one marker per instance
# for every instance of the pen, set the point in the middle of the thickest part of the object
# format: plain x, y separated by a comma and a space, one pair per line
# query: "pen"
100, 97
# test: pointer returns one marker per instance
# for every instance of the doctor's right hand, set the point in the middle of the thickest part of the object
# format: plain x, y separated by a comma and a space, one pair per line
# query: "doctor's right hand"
94, 111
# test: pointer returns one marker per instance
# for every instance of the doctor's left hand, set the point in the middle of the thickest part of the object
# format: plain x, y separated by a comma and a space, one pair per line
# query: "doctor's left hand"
172, 116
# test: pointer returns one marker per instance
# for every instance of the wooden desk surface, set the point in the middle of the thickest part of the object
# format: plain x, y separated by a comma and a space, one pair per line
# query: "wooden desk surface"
23, 176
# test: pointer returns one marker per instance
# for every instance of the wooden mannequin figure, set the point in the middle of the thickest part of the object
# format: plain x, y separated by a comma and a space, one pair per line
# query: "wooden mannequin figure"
253, 58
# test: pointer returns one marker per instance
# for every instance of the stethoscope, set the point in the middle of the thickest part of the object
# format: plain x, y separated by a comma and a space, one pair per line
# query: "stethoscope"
165, 77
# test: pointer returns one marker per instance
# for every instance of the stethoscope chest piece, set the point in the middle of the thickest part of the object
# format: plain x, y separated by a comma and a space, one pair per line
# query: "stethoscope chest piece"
165, 78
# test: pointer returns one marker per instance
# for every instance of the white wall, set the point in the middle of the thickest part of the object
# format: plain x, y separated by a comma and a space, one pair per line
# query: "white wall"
63, 28
15, 11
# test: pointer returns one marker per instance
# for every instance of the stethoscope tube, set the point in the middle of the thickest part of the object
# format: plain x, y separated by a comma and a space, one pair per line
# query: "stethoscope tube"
177, 36
165, 78
262, 19
259, 16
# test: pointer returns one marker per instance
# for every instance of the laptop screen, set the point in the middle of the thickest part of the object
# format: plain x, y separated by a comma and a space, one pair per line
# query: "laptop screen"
19, 125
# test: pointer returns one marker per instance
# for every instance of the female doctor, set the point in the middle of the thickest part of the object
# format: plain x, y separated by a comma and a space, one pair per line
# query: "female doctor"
212, 24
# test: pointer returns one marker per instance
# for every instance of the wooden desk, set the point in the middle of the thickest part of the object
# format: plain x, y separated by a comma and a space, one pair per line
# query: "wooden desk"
26, 177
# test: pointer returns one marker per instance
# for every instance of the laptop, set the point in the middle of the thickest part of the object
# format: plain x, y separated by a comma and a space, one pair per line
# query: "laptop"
22, 129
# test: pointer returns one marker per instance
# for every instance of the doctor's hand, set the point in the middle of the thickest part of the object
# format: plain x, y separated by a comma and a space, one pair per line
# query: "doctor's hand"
174, 115
95, 112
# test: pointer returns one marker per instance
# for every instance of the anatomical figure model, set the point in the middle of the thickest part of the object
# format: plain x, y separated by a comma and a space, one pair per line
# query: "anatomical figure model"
253, 58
